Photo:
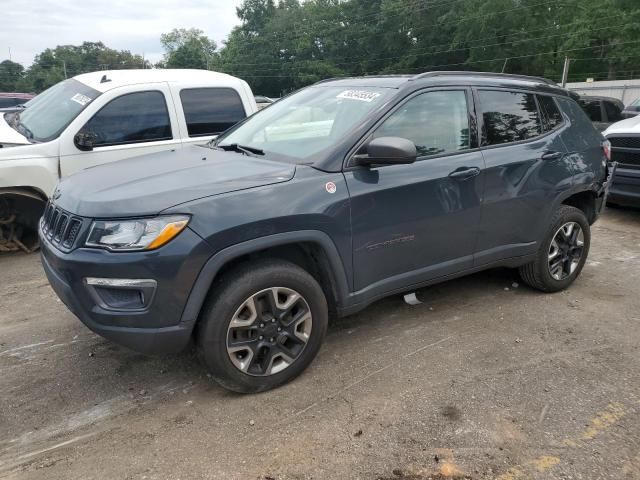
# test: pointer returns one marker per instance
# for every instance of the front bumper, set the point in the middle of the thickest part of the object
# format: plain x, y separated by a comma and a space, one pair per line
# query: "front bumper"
157, 327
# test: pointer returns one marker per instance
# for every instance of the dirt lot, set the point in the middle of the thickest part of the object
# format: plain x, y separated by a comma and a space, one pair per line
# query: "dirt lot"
485, 379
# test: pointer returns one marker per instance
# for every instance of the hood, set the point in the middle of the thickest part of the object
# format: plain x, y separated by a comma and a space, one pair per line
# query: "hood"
148, 184
630, 125
8, 136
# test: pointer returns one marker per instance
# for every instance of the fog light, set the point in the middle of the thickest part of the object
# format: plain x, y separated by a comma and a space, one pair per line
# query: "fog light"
122, 294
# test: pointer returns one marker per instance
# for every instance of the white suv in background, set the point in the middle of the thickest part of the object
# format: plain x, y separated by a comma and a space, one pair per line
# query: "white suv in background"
103, 117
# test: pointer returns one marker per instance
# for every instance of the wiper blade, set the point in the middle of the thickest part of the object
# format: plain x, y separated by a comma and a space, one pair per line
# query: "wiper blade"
27, 133
247, 150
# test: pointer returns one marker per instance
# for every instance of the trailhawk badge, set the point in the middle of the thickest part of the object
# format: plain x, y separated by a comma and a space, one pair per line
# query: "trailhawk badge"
330, 187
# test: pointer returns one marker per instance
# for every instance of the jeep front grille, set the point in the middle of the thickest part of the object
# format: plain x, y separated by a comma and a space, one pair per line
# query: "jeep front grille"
60, 227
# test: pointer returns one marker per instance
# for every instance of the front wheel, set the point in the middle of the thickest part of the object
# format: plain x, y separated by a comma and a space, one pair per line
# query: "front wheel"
262, 326
562, 253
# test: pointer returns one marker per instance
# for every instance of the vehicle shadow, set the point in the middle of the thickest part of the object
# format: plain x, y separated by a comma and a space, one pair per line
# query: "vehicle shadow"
621, 214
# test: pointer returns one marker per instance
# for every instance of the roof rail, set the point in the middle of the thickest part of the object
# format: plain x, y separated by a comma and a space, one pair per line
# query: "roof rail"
347, 77
330, 79
439, 73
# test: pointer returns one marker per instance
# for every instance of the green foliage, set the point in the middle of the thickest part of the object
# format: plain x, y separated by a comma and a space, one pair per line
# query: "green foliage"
282, 45
10, 75
188, 48
285, 45
64, 61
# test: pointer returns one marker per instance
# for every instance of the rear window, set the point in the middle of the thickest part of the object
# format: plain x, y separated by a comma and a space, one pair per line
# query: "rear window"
210, 111
508, 116
614, 114
551, 116
592, 109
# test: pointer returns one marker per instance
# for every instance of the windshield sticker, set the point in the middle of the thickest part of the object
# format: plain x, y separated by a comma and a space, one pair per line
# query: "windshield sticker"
361, 95
81, 99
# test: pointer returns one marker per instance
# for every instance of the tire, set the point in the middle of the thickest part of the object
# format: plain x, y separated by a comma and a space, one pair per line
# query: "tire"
250, 354
537, 274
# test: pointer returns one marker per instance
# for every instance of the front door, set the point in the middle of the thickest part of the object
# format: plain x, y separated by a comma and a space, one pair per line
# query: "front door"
411, 223
129, 125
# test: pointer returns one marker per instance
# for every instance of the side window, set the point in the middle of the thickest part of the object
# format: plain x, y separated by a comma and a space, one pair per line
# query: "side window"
551, 115
131, 118
508, 116
614, 114
210, 111
437, 122
6, 102
592, 109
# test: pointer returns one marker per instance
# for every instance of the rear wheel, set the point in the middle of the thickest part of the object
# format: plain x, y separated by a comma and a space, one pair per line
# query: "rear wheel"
562, 254
263, 326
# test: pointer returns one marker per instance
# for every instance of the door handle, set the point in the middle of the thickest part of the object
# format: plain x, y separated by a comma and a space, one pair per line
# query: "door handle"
464, 173
552, 155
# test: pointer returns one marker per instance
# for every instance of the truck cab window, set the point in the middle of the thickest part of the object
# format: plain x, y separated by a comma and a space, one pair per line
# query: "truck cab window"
132, 118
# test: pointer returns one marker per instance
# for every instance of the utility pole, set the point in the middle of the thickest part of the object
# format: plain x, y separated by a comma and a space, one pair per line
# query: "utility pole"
10, 54
143, 60
565, 71
64, 67
504, 67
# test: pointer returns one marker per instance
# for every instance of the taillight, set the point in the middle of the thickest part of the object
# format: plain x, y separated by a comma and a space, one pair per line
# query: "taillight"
606, 147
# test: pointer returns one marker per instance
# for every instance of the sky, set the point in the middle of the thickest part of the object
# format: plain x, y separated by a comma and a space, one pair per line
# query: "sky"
30, 26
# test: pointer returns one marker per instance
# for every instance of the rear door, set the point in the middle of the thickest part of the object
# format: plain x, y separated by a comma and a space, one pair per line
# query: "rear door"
411, 223
526, 168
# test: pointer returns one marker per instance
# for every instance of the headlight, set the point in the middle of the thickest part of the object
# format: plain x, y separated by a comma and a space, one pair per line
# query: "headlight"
138, 234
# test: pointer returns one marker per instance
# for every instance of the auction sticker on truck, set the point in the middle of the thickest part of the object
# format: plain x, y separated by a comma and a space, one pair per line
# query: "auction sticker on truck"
81, 99
361, 95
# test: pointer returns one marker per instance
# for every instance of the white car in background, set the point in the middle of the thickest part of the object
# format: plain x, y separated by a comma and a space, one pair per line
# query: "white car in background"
102, 117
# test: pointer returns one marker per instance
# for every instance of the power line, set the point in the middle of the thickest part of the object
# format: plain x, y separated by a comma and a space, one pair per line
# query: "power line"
424, 52
350, 29
422, 68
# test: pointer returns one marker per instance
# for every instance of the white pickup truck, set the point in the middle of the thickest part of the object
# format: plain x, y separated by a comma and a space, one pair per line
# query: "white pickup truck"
102, 117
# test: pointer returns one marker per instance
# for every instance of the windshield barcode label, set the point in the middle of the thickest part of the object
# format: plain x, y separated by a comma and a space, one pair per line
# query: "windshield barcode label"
361, 95
81, 99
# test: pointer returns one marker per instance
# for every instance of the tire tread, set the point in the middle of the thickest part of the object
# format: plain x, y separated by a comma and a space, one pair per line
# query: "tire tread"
531, 273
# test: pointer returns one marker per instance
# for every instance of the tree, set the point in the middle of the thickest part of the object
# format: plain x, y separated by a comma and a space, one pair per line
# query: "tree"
283, 45
10, 75
188, 48
64, 61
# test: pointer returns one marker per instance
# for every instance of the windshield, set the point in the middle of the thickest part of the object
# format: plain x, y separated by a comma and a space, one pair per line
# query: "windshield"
635, 103
48, 114
306, 123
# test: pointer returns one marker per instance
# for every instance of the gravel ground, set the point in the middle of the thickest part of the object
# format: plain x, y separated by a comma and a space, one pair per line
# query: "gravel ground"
486, 379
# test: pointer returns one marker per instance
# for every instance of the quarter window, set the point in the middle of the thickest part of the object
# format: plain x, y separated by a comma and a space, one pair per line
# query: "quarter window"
437, 122
550, 112
509, 116
210, 111
131, 118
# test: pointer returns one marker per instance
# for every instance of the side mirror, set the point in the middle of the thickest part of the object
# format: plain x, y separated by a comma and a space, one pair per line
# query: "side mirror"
85, 140
388, 151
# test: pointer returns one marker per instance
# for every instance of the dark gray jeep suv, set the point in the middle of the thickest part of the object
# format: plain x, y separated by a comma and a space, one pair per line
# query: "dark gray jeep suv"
338, 195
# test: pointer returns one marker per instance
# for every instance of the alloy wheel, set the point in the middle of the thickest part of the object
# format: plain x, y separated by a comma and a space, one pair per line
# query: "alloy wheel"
566, 250
269, 331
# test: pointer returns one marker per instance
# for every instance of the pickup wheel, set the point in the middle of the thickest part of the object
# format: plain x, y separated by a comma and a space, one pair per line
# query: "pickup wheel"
262, 326
562, 253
